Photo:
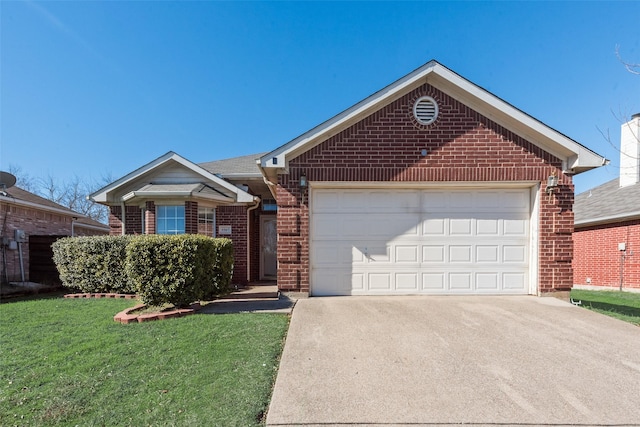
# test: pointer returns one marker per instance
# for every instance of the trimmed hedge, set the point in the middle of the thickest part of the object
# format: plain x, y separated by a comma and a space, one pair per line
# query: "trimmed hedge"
159, 268
93, 264
179, 269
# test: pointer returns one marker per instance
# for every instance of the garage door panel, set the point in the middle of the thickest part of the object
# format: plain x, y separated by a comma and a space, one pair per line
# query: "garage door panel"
460, 254
406, 281
515, 227
460, 227
460, 281
406, 253
433, 282
420, 241
434, 227
487, 227
514, 254
487, 281
433, 253
487, 254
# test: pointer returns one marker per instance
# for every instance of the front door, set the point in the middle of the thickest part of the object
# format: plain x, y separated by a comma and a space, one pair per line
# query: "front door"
268, 244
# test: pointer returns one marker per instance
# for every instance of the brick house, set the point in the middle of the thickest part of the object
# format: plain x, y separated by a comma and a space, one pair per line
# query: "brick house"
431, 185
38, 222
607, 223
224, 198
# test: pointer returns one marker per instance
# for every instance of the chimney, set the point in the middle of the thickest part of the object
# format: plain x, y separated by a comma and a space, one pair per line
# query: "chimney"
630, 152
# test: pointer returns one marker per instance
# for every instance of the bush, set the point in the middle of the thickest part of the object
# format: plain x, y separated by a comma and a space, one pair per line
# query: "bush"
179, 269
93, 264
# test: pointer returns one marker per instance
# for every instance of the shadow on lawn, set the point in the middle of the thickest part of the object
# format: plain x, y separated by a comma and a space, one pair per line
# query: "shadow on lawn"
614, 308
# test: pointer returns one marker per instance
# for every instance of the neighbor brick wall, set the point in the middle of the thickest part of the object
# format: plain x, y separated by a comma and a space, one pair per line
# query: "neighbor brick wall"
596, 255
462, 145
34, 222
236, 217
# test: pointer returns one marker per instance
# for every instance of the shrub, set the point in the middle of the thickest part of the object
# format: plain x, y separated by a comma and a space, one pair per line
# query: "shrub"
93, 264
179, 269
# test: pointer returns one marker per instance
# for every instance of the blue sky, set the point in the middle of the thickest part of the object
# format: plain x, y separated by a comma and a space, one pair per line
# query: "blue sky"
97, 88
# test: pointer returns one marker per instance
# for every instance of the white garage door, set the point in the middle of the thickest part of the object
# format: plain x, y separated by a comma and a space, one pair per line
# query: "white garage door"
418, 241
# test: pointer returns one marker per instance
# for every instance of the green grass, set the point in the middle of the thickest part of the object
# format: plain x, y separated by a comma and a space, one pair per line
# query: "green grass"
621, 305
66, 362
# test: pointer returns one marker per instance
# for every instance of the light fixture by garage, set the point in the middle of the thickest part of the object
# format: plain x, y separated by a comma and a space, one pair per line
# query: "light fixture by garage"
425, 110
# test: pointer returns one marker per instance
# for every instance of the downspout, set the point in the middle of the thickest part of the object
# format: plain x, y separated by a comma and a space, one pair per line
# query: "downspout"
123, 220
257, 203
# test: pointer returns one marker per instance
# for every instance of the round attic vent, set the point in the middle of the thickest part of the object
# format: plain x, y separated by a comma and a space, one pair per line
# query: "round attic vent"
425, 110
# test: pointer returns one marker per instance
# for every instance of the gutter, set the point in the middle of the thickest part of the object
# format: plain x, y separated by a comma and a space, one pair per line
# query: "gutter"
607, 219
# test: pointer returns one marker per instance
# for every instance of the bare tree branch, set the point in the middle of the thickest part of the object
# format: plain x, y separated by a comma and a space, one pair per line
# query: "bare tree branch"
71, 194
633, 68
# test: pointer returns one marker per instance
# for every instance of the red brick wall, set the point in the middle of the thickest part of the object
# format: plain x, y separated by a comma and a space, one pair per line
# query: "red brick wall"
34, 222
191, 217
133, 220
596, 255
236, 217
150, 218
462, 145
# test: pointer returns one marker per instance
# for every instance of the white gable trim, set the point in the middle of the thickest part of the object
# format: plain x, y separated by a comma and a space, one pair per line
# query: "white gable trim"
575, 156
102, 195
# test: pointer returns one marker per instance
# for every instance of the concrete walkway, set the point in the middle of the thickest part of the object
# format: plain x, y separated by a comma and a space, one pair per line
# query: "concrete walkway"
456, 360
255, 298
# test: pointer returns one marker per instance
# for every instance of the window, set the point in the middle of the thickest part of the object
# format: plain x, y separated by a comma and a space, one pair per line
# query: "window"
170, 220
206, 221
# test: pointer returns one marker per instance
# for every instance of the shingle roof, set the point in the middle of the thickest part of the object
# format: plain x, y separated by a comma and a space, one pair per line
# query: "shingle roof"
239, 166
607, 203
17, 193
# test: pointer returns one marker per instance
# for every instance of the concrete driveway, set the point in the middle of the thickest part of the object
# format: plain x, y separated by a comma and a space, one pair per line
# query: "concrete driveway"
455, 360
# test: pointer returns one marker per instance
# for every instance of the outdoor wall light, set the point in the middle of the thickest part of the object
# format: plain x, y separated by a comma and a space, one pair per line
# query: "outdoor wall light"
552, 183
303, 181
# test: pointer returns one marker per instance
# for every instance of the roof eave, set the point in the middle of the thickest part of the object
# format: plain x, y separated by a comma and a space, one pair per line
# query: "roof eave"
629, 216
25, 203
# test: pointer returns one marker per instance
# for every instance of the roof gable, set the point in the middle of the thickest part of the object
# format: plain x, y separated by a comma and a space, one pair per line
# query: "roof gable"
575, 156
167, 170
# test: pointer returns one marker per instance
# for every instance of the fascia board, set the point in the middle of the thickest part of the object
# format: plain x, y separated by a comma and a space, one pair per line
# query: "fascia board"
516, 120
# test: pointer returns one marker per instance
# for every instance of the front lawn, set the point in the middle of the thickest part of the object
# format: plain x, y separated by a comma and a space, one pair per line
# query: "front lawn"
621, 305
66, 362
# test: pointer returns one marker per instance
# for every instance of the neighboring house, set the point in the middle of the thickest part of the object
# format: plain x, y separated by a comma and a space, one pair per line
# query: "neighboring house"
607, 223
29, 224
430, 186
